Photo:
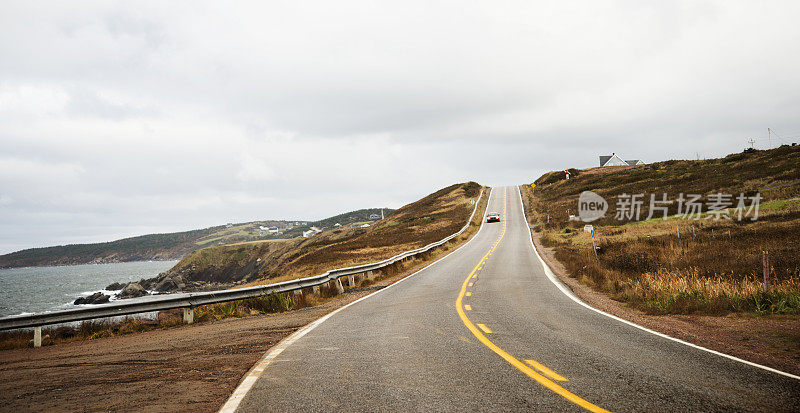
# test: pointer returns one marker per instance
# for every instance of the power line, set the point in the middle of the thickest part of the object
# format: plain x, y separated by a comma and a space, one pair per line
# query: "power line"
781, 138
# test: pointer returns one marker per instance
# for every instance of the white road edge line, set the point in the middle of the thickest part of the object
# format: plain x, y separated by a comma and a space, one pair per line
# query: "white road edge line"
571, 295
258, 369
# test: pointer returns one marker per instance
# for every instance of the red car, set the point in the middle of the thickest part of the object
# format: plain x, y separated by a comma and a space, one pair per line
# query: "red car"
493, 217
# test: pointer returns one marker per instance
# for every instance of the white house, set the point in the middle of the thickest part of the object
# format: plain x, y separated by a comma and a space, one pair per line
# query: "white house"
615, 160
364, 226
311, 232
374, 216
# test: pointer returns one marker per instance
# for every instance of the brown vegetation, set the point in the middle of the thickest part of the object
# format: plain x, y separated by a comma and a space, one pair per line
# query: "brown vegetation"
684, 266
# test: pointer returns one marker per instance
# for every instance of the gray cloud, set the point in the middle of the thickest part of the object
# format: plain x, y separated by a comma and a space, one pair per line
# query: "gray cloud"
118, 118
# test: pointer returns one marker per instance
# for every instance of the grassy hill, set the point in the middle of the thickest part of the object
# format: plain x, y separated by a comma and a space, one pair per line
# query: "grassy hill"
170, 246
412, 226
682, 264
360, 216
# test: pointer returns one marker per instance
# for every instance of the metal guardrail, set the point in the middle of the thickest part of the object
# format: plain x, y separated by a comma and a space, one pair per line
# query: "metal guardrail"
191, 300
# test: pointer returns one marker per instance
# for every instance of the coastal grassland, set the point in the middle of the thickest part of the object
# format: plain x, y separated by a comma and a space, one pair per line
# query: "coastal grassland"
170, 246
683, 266
427, 220
415, 225
226, 264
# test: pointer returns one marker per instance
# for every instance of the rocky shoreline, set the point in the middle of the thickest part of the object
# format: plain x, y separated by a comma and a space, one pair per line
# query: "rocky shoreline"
165, 283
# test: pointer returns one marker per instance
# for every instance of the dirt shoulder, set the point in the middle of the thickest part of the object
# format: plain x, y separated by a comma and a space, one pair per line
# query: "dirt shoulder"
773, 341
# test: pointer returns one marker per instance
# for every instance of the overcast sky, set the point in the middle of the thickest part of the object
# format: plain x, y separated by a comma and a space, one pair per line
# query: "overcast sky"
125, 118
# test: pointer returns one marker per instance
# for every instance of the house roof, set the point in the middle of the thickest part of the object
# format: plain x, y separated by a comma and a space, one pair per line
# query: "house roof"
604, 159
632, 162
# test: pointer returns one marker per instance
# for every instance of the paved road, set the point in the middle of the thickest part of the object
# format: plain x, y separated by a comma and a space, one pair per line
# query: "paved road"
485, 329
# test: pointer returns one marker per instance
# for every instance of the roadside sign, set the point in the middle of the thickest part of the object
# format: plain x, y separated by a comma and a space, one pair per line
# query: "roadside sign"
533, 185
592, 233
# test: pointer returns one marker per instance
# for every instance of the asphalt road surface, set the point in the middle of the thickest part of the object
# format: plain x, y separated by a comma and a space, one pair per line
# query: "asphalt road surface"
485, 329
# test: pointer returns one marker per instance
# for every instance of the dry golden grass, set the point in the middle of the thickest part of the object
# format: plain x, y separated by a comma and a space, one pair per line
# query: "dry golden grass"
666, 291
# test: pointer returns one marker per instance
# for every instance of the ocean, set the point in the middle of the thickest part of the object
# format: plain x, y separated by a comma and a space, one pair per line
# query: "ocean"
36, 289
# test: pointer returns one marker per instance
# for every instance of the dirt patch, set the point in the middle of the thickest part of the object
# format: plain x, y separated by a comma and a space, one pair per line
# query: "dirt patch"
773, 341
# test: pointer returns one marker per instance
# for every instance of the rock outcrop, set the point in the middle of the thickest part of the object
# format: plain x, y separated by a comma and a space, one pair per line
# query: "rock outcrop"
132, 290
169, 282
96, 298
115, 286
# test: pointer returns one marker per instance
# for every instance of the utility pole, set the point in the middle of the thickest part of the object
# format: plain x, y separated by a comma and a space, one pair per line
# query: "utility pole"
751, 143
769, 133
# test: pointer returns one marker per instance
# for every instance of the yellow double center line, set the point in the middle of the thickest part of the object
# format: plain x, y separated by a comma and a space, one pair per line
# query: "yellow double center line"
479, 333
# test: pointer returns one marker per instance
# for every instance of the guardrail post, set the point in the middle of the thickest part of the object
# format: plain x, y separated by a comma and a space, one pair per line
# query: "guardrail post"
370, 275
37, 336
188, 315
351, 280
315, 289
337, 284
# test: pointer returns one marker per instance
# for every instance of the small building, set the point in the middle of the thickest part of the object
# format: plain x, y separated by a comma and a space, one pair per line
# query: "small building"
374, 216
337, 225
311, 232
615, 160
364, 226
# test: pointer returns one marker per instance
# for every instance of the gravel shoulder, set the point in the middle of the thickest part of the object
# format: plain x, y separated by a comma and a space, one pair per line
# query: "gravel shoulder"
773, 341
